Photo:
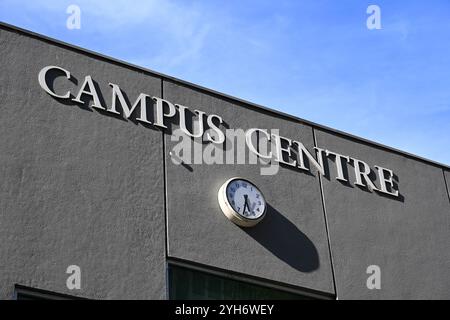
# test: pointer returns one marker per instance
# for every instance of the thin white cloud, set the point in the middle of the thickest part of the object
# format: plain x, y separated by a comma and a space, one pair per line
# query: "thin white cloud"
183, 26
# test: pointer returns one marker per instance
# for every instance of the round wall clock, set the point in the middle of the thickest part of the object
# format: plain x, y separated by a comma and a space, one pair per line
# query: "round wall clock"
242, 202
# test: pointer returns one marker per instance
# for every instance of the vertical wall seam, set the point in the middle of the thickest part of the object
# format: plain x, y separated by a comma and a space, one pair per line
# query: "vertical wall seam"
322, 195
166, 237
446, 185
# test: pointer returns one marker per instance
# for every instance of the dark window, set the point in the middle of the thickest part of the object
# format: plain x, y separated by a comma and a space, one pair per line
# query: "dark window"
186, 284
27, 293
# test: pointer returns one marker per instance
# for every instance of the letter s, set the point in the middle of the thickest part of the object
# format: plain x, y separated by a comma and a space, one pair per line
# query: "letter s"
211, 125
43, 82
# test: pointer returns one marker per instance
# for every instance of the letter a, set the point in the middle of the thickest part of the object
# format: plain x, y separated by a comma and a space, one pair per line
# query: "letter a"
74, 280
374, 20
374, 281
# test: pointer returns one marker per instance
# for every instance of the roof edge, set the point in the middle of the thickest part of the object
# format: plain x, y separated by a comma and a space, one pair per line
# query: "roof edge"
314, 125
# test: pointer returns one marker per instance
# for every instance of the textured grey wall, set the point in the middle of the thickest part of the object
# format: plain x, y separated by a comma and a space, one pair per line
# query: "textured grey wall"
407, 237
80, 187
289, 245
76, 187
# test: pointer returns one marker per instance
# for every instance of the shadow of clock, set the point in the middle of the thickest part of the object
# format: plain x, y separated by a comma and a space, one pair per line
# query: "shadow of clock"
284, 240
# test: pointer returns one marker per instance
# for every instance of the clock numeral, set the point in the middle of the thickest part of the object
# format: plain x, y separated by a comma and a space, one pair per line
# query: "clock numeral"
257, 195
244, 185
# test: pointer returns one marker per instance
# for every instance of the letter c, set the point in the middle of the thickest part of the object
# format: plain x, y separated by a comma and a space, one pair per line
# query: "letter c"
43, 82
248, 139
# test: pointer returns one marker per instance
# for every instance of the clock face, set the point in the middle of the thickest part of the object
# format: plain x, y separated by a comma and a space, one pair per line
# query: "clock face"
245, 199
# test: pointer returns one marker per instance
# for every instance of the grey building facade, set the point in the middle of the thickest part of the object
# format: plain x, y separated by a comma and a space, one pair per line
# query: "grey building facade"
80, 185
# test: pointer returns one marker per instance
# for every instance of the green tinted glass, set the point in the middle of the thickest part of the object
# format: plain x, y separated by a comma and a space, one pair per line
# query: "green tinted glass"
185, 284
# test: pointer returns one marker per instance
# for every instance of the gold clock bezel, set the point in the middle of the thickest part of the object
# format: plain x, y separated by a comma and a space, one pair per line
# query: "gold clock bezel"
228, 210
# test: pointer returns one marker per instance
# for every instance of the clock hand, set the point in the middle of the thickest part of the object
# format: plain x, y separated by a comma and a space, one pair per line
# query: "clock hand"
246, 204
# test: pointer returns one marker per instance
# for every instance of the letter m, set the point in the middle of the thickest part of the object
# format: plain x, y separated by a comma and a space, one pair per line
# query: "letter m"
127, 111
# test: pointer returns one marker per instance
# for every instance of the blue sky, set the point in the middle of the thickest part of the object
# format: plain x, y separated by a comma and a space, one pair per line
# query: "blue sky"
314, 59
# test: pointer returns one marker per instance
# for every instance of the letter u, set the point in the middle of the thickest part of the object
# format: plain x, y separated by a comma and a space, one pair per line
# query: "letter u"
199, 122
